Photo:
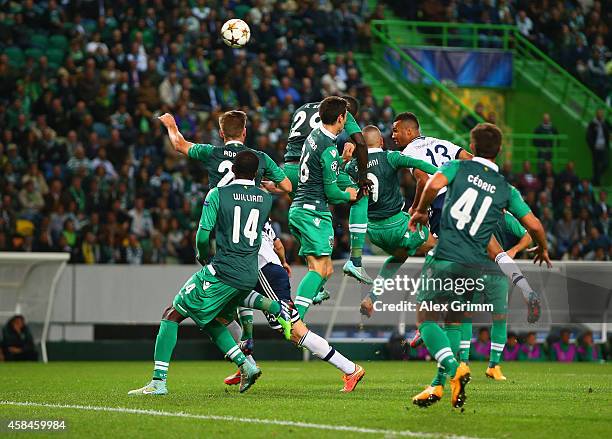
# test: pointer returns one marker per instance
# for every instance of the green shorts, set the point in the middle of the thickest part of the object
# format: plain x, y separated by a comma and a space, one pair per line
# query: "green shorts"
313, 229
292, 171
392, 233
495, 293
204, 298
445, 281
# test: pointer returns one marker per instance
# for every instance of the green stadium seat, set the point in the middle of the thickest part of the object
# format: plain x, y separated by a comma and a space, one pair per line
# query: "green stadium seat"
16, 57
58, 42
34, 53
55, 56
39, 41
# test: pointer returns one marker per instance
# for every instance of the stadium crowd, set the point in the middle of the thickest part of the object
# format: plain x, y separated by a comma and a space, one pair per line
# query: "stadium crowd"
87, 167
575, 33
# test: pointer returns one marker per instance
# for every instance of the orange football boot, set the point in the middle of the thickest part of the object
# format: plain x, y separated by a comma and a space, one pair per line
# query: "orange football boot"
232, 380
429, 396
351, 381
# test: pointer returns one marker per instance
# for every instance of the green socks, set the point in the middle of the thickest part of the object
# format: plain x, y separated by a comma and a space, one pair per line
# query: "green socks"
466, 339
498, 341
246, 321
257, 301
164, 345
307, 289
220, 336
358, 226
453, 332
439, 346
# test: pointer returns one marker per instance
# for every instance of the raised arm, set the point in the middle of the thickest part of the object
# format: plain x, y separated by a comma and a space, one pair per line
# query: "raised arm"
176, 138
329, 166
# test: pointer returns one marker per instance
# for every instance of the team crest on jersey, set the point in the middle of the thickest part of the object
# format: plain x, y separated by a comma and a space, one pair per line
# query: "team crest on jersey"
316, 221
334, 166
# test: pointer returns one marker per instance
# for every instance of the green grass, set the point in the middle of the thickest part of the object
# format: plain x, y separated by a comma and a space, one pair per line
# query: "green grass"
538, 400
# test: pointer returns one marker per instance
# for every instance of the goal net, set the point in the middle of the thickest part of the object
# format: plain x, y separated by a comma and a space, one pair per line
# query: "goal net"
27, 287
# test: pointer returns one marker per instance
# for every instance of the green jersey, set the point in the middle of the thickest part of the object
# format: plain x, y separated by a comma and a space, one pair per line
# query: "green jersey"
319, 169
509, 231
239, 212
386, 197
476, 195
304, 120
219, 160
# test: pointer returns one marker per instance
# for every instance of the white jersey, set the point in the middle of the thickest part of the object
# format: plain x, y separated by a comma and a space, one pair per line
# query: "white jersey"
432, 150
266, 253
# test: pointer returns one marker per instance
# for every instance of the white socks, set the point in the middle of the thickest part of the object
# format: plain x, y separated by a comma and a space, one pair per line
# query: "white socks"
321, 349
510, 269
235, 329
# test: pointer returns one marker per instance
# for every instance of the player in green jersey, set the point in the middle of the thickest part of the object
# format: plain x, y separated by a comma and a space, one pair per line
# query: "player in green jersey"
218, 161
210, 297
477, 194
387, 222
304, 120
310, 220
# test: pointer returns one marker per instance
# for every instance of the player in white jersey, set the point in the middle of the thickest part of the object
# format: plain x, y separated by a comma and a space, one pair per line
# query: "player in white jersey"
407, 135
274, 272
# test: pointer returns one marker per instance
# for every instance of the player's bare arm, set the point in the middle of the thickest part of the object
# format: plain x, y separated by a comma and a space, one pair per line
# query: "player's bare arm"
176, 138
433, 186
464, 155
523, 244
536, 230
421, 180
279, 249
361, 153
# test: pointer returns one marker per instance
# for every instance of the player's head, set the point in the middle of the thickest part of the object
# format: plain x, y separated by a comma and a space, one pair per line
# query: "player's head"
373, 137
333, 113
485, 140
232, 125
245, 165
405, 128
353, 104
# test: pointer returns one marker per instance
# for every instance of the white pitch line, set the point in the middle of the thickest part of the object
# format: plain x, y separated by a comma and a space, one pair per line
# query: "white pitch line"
344, 428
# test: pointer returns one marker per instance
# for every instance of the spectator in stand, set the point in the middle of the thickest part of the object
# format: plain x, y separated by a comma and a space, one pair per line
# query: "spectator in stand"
470, 121
482, 346
587, 349
141, 224
545, 146
598, 139
525, 25
528, 181
512, 348
31, 200
531, 350
566, 232
563, 350
17, 341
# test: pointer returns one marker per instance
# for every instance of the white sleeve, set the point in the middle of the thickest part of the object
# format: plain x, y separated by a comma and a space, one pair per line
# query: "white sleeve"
454, 150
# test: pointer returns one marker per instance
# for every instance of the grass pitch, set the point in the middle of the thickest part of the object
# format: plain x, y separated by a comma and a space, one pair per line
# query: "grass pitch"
538, 400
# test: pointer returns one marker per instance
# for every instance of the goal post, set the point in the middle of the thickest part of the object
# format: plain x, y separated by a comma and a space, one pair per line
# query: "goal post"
28, 282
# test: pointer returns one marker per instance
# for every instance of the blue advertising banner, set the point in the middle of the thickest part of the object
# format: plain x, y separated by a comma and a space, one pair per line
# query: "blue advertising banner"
466, 68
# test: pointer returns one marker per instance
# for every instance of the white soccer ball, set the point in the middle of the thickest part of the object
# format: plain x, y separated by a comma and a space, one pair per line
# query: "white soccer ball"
235, 33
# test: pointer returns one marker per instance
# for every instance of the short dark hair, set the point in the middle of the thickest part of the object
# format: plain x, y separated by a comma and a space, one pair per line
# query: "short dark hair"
353, 104
487, 139
232, 123
331, 107
407, 116
245, 165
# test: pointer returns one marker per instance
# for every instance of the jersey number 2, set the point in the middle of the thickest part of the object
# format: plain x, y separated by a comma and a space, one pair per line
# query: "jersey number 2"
250, 228
299, 120
461, 210
225, 166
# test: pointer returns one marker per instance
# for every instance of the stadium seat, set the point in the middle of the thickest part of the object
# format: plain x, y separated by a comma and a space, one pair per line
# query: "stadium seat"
34, 53
39, 41
16, 57
55, 56
59, 42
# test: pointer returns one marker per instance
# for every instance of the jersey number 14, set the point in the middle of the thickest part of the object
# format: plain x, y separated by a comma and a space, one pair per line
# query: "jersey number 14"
250, 228
461, 210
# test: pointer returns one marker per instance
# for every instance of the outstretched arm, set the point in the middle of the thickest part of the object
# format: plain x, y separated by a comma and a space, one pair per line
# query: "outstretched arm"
176, 138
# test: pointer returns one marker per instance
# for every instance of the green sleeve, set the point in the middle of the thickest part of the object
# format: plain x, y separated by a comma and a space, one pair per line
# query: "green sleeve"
330, 165
399, 160
272, 171
210, 208
513, 226
516, 204
207, 223
351, 126
200, 151
449, 169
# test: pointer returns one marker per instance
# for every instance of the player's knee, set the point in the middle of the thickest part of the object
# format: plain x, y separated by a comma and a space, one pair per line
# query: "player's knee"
167, 312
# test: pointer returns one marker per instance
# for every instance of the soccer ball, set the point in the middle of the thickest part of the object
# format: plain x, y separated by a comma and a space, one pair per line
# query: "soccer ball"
235, 33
